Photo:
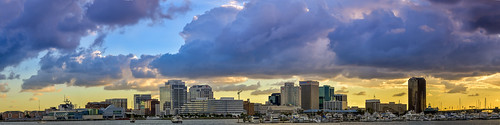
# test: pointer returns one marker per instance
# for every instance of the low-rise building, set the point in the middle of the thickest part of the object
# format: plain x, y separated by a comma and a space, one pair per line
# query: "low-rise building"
226, 105
113, 112
12, 115
118, 102
196, 106
334, 105
97, 105
372, 105
393, 107
249, 107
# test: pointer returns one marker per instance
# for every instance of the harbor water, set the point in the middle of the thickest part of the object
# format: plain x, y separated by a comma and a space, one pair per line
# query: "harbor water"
234, 122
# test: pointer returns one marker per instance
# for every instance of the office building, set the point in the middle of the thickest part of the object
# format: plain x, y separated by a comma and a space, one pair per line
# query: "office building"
309, 94
342, 98
151, 107
118, 102
275, 99
226, 105
325, 94
290, 94
172, 96
200, 91
196, 106
249, 107
140, 100
416, 94
393, 107
113, 112
372, 105
334, 105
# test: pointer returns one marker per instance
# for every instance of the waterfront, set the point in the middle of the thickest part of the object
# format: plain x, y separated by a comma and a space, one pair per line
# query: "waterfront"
233, 122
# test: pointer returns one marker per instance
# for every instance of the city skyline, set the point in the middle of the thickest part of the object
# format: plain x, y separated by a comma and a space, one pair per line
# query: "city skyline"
92, 51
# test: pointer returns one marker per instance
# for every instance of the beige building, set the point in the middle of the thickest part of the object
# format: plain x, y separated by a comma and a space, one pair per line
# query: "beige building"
372, 105
290, 94
393, 107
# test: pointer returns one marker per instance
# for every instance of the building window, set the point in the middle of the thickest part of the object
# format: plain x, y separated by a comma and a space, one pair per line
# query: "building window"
10, 115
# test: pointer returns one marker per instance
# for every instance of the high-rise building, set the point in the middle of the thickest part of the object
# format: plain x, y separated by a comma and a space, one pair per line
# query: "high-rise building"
200, 91
372, 105
140, 100
416, 94
118, 102
290, 94
151, 107
275, 99
325, 94
173, 96
342, 98
309, 94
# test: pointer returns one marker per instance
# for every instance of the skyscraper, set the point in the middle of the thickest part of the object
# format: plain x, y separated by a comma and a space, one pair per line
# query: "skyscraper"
342, 98
416, 94
275, 99
309, 94
140, 99
200, 91
173, 96
325, 94
290, 94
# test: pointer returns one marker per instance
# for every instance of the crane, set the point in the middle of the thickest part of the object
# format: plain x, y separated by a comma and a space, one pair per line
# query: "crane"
239, 91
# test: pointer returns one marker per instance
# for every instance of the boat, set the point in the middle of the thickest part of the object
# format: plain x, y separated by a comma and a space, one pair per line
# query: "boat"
176, 119
132, 120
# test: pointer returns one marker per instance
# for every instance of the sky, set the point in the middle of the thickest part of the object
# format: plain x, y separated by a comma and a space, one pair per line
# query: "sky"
91, 50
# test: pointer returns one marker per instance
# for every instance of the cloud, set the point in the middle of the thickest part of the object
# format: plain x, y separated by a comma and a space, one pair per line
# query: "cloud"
3, 95
342, 90
399, 94
264, 92
83, 68
33, 99
11, 76
234, 87
477, 94
4, 87
454, 88
30, 27
360, 93
265, 38
37, 94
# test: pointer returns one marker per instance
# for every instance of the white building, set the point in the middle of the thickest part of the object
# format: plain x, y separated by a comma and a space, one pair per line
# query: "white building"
335, 105
290, 94
197, 106
113, 112
200, 91
226, 105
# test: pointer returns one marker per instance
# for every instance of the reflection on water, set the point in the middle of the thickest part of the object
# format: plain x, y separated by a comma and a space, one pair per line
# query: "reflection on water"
233, 121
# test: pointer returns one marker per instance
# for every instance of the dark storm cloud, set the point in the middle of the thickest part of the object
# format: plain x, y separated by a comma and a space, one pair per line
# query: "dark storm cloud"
474, 14
11, 76
455, 88
342, 90
265, 39
477, 94
29, 27
84, 68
